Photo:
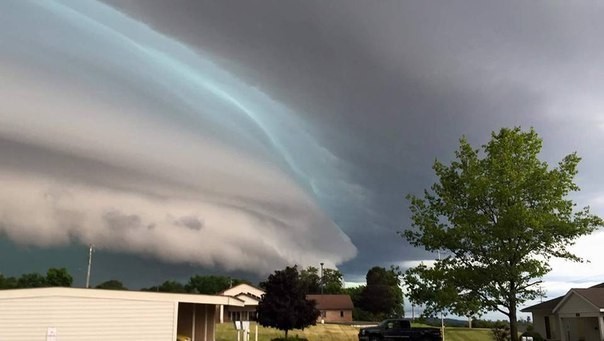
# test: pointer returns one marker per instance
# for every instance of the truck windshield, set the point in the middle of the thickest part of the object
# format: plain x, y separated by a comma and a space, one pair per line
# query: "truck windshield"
395, 324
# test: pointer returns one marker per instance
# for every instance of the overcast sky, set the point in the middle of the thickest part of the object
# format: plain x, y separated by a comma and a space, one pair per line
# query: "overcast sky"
236, 137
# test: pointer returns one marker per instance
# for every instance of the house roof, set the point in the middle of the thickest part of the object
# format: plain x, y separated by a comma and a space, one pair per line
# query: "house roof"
547, 305
249, 299
593, 295
243, 288
332, 302
120, 294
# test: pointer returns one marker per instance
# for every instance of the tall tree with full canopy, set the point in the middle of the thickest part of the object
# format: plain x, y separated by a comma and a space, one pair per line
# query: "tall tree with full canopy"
211, 284
56, 277
498, 214
382, 296
284, 305
331, 281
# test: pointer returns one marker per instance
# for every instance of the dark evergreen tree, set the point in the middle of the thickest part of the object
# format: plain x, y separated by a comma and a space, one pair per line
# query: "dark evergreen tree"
284, 305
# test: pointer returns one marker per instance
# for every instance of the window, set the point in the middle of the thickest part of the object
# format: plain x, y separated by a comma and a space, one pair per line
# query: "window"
341, 313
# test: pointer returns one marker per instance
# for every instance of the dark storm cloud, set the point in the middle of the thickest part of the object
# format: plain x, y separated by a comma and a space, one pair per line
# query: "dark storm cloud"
383, 88
389, 86
121, 148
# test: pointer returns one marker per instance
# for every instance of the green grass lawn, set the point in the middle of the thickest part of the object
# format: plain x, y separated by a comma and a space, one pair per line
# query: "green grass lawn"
337, 332
465, 334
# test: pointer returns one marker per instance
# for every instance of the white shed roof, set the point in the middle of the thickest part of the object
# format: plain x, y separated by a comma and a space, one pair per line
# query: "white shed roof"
120, 294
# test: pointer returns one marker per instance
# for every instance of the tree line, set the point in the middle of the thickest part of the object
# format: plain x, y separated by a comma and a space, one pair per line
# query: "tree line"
381, 297
55, 277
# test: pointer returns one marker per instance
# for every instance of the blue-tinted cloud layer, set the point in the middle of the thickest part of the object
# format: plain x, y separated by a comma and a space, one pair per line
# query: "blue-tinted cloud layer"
119, 136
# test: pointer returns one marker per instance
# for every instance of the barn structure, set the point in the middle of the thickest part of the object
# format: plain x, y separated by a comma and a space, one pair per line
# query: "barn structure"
75, 314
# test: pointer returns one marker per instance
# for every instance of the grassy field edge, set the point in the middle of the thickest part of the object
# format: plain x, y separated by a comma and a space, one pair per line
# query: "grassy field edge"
338, 332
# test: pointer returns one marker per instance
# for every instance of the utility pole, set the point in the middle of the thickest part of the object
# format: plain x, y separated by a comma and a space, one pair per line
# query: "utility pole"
89, 265
321, 279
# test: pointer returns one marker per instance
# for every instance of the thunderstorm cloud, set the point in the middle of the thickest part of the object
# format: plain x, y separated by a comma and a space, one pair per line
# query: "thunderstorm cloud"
197, 136
115, 135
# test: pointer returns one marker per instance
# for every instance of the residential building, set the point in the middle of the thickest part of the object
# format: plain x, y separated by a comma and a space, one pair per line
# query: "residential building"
333, 308
249, 295
578, 315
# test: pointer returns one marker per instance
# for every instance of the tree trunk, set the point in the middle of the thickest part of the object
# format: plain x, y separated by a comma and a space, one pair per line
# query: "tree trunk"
286, 334
513, 322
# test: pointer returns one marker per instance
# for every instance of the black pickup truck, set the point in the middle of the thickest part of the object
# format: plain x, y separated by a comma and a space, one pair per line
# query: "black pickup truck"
399, 329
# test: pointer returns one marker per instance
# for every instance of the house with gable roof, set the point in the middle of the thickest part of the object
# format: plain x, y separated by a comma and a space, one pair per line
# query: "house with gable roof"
333, 308
249, 294
576, 316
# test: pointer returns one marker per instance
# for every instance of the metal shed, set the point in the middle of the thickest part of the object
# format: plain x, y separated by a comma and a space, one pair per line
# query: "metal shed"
75, 314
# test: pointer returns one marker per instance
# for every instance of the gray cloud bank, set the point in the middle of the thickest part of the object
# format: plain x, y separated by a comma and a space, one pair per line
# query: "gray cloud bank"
388, 86
343, 103
114, 135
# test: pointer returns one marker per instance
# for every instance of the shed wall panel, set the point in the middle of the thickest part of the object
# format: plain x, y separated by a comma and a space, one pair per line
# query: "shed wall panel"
84, 319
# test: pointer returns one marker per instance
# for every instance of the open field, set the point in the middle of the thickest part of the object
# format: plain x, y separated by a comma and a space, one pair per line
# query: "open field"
465, 334
337, 332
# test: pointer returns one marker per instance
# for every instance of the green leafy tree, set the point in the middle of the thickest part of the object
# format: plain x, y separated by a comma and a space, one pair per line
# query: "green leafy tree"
168, 286
498, 214
211, 284
355, 294
31, 280
332, 280
112, 284
8, 282
382, 296
58, 277
172, 286
284, 305
358, 313
311, 280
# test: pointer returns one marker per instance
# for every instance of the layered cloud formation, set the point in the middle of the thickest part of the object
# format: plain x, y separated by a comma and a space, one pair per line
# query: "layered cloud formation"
113, 134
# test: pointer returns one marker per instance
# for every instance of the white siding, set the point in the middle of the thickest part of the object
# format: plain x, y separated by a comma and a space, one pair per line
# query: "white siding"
576, 304
86, 319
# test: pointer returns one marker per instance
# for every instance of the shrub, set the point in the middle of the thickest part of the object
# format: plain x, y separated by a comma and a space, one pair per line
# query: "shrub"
501, 334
